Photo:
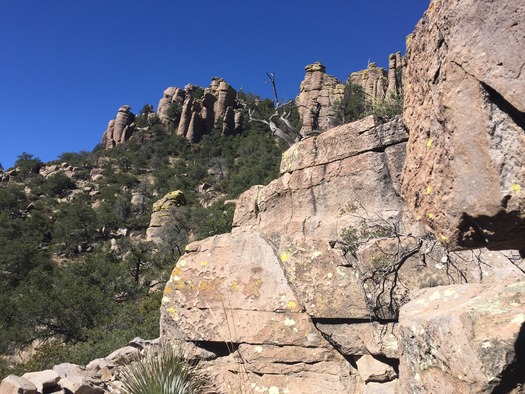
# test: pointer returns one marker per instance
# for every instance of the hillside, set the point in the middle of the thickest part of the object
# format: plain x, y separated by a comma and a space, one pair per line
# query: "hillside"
329, 244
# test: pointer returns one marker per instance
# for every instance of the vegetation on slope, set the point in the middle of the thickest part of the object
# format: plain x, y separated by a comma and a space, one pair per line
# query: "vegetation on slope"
77, 274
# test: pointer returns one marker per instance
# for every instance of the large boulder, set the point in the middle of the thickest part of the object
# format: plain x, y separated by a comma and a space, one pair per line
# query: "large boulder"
164, 216
464, 110
464, 339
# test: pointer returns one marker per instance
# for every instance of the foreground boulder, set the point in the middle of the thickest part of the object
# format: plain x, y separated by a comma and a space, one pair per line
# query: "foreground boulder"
304, 294
464, 339
465, 113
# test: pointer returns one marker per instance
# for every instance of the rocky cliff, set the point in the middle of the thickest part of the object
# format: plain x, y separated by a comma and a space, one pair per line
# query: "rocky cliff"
363, 268
306, 290
465, 112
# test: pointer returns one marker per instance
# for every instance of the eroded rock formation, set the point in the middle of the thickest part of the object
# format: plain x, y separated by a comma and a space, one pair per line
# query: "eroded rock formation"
317, 96
119, 129
465, 112
200, 113
378, 83
164, 216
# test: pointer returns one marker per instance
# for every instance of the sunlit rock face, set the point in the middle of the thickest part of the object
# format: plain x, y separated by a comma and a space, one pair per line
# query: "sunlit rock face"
464, 110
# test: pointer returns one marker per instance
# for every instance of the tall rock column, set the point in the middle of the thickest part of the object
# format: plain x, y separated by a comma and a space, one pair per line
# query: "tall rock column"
119, 129
465, 112
318, 94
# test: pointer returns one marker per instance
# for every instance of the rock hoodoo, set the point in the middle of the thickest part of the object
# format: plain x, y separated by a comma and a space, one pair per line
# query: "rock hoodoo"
163, 216
464, 109
378, 83
201, 109
119, 129
318, 94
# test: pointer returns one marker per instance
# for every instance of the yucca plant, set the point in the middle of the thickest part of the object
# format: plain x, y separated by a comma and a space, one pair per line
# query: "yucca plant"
162, 370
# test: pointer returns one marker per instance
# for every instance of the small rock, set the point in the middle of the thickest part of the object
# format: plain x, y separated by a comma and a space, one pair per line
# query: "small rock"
372, 370
17, 385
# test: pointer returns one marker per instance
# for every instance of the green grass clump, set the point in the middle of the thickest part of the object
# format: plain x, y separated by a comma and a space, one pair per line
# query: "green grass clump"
163, 370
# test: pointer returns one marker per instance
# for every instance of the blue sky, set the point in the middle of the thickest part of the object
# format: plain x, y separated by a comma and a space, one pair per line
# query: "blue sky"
67, 65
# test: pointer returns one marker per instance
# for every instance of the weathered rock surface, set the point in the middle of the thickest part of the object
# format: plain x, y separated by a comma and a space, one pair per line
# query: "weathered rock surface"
329, 182
119, 129
464, 339
465, 112
317, 96
13, 384
42, 379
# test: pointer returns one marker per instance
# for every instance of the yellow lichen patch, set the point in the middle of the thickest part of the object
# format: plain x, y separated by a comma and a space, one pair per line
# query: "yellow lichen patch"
515, 187
175, 273
187, 247
203, 263
429, 189
285, 256
429, 143
171, 311
431, 216
443, 238
234, 285
291, 305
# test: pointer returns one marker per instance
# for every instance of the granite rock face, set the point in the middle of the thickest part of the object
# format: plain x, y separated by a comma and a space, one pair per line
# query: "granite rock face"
119, 129
464, 339
317, 266
465, 113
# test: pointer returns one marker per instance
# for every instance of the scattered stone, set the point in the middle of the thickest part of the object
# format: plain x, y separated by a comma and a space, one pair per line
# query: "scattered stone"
13, 384
42, 379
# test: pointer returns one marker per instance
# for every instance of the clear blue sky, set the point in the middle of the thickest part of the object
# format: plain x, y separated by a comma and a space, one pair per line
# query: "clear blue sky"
66, 66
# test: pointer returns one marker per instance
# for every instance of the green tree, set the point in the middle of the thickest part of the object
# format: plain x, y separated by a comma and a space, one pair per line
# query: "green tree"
28, 164
354, 104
